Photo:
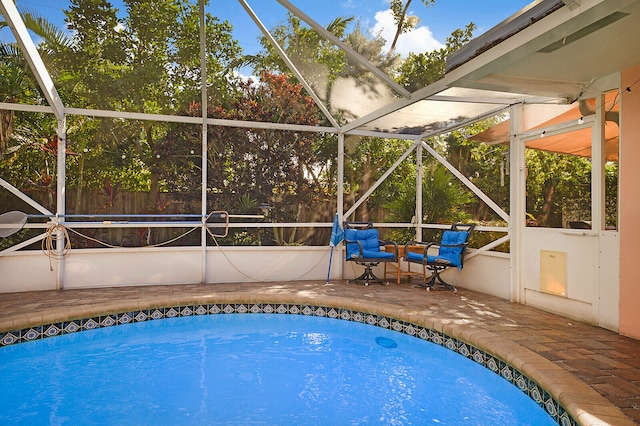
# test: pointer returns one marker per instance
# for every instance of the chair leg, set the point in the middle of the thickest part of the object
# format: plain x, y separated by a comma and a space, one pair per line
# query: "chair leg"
367, 276
443, 282
434, 279
427, 284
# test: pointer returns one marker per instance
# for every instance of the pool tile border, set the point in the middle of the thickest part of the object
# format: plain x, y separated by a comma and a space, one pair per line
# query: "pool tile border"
511, 374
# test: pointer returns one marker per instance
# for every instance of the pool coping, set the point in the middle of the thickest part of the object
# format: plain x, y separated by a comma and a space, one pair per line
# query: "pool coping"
584, 405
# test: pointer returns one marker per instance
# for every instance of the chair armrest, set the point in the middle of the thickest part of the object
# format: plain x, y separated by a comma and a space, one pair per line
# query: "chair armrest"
416, 243
451, 245
395, 245
354, 242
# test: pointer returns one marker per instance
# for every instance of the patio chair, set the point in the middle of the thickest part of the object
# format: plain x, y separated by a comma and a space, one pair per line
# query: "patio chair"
363, 247
445, 254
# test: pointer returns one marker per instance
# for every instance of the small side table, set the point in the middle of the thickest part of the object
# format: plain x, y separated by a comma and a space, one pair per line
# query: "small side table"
399, 273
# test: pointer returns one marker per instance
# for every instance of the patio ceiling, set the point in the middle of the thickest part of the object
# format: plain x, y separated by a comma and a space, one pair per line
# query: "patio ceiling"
552, 52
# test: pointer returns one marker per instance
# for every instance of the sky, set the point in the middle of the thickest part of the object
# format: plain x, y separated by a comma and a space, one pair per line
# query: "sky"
436, 22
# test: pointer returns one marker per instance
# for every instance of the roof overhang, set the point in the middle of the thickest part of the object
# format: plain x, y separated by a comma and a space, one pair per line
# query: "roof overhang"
553, 48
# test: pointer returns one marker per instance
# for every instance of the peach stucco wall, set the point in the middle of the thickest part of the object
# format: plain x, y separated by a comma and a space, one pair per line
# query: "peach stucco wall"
630, 203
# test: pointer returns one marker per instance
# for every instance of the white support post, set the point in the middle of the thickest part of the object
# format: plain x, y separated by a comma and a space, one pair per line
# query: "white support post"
419, 180
340, 192
203, 90
61, 200
598, 216
598, 200
517, 166
340, 183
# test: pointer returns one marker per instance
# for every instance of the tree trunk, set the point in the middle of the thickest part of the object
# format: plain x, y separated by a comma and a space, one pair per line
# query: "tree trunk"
547, 206
399, 28
6, 128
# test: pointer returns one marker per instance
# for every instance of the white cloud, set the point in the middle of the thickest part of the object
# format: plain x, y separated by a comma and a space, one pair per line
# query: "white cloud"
419, 40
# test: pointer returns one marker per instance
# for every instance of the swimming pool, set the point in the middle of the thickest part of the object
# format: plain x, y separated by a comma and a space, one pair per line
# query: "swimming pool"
258, 368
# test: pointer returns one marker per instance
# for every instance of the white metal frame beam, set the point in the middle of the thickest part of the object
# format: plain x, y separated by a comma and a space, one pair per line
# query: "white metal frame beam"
31, 55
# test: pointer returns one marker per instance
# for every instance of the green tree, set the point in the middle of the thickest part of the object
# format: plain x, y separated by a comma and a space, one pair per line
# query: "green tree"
252, 166
145, 61
553, 181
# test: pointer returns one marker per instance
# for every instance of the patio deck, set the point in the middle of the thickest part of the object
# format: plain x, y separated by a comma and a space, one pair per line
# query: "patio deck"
548, 348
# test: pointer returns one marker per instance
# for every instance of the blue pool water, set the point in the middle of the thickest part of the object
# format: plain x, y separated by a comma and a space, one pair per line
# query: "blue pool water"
251, 369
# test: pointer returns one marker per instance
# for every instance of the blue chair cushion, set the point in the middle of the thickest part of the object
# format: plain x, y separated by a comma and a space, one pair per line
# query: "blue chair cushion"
370, 244
446, 255
453, 253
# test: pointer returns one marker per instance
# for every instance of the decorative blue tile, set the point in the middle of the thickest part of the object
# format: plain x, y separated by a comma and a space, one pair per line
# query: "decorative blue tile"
268, 309
156, 314
345, 315
320, 312
242, 309
229, 309
332, 313
463, 349
507, 373
31, 334
451, 344
492, 364
108, 321
71, 326
201, 310
256, 309
52, 330
306, 310
357, 317
90, 324
215, 309
282, 309
437, 338
186, 311
478, 356
551, 407
535, 393
9, 338
383, 322
124, 318
293, 309
564, 419
521, 381
140, 316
